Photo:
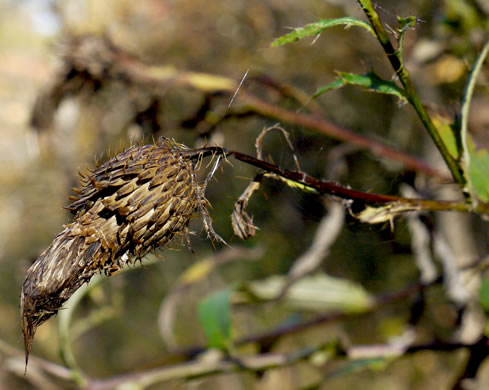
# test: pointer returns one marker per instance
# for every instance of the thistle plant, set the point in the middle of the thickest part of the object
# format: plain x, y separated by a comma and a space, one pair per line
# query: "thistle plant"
144, 198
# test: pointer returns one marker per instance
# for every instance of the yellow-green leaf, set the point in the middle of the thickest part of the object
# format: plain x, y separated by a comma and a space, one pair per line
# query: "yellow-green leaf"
444, 126
197, 272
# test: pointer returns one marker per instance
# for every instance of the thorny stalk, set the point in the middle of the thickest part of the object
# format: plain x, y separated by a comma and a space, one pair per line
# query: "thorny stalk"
336, 190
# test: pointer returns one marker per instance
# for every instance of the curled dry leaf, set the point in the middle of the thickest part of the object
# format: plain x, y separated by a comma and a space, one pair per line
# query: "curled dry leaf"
242, 223
136, 202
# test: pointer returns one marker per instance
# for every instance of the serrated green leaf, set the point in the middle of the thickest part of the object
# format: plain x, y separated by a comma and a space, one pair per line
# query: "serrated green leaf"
371, 81
338, 83
319, 27
215, 319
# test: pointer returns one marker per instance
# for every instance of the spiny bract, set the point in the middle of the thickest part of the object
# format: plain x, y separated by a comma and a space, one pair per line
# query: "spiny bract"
134, 203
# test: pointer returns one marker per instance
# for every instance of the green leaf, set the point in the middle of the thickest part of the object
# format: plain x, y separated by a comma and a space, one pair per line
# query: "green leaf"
371, 81
484, 294
215, 318
319, 27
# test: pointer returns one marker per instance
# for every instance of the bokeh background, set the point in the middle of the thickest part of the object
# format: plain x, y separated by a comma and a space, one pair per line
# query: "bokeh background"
39, 166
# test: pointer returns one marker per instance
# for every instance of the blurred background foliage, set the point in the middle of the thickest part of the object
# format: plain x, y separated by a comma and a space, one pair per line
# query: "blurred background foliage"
39, 167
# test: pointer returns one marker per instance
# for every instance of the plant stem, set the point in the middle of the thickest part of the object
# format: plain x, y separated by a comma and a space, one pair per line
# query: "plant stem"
396, 62
334, 189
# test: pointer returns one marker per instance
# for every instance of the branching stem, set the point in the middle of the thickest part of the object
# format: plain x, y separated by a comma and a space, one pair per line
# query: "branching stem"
395, 59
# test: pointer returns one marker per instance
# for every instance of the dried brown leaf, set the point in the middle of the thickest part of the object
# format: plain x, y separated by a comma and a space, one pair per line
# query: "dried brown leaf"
242, 223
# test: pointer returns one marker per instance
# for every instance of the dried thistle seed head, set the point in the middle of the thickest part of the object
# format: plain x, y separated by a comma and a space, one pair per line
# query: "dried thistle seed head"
138, 201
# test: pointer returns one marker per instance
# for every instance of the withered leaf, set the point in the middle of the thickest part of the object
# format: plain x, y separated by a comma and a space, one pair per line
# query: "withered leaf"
242, 223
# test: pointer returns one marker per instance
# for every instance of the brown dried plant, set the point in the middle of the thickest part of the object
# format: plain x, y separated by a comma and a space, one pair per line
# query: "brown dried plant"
136, 202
